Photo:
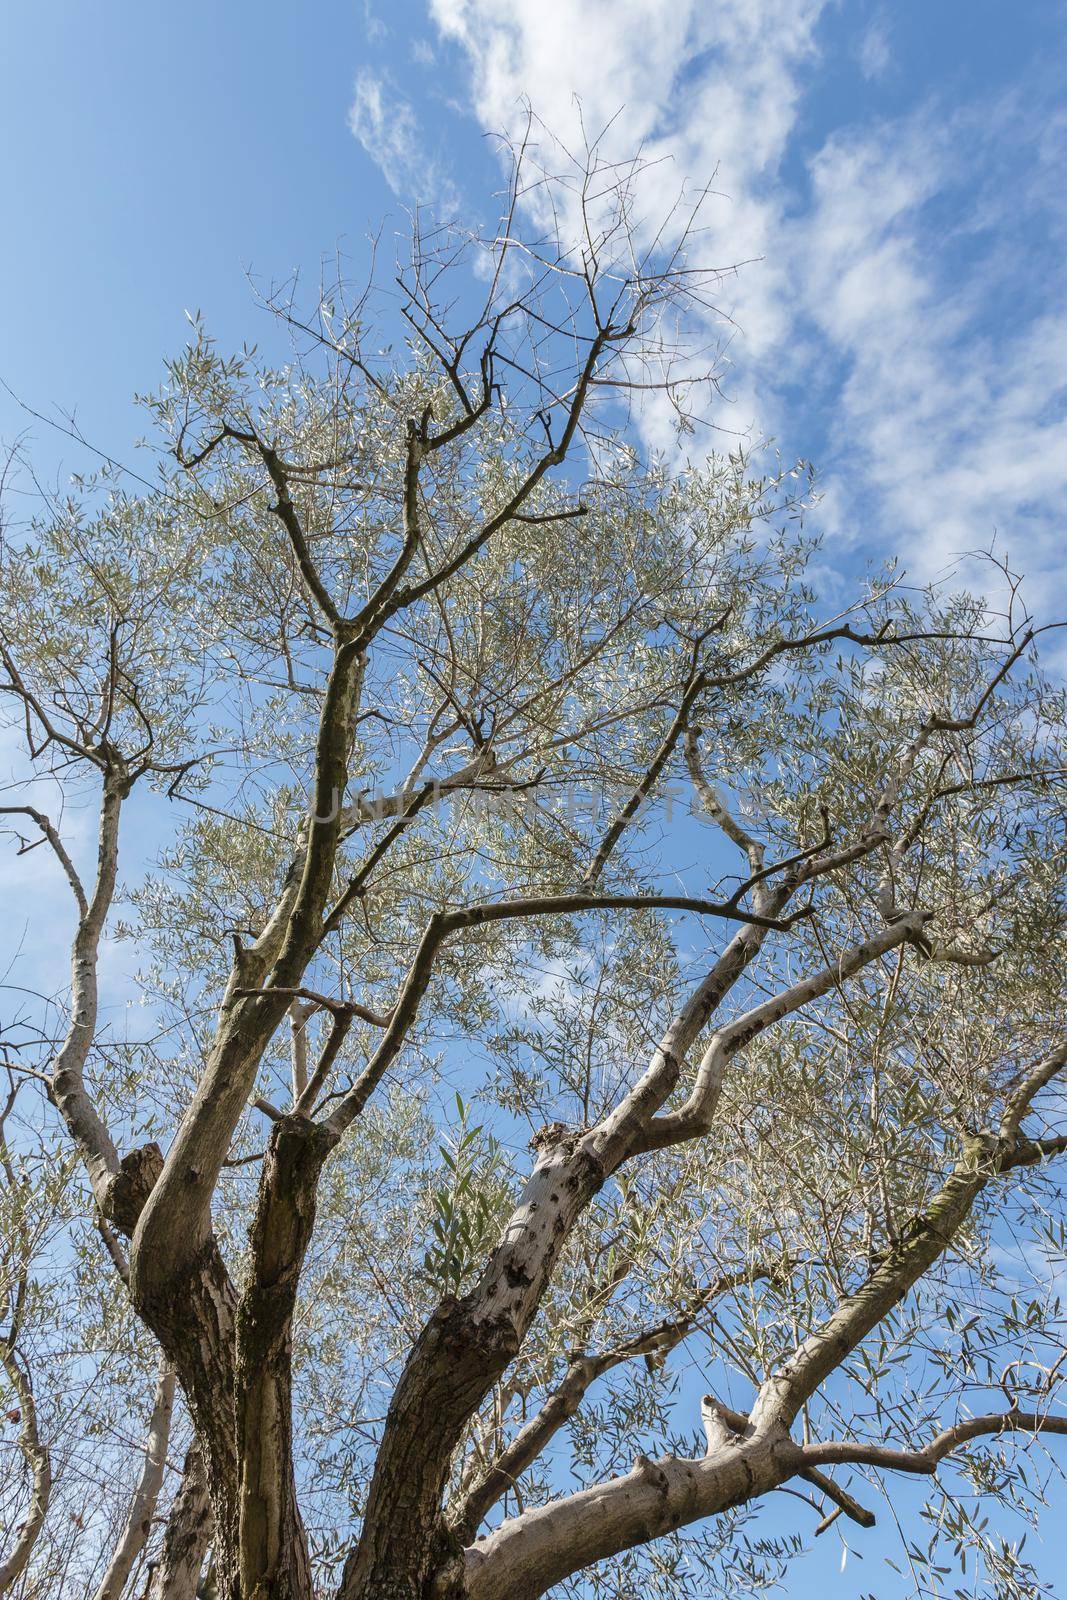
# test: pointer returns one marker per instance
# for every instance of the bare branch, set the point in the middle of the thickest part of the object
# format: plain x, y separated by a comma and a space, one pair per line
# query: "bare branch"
696, 1115
929, 1457
582, 1371
38, 1460
143, 1502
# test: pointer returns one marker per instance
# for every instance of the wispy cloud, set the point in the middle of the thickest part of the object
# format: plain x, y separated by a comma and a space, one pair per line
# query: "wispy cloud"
688, 81
388, 128
950, 417
713, 90
879, 298
875, 55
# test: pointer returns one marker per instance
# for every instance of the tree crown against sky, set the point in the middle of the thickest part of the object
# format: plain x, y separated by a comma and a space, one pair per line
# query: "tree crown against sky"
492, 1099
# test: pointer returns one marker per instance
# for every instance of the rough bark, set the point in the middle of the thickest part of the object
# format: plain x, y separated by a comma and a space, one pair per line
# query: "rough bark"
194, 1320
406, 1547
465, 1349
176, 1575
273, 1557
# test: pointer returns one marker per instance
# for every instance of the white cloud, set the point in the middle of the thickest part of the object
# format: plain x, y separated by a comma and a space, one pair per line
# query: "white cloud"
714, 88
882, 286
387, 127
951, 420
373, 25
875, 55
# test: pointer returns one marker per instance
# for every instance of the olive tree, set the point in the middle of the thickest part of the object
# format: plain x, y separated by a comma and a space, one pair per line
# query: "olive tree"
593, 960
73, 1409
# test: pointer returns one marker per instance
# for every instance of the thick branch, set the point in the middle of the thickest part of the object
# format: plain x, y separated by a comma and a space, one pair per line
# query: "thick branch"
696, 1115
175, 1224
928, 1236
86, 1127
444, 924
273, 1556
528, 1554
583, 1370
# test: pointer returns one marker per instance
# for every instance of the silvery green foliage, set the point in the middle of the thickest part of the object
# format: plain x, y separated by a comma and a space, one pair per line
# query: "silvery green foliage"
632, 690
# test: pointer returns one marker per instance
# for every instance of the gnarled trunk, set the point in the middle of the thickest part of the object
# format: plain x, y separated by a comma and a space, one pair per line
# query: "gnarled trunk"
272, 1558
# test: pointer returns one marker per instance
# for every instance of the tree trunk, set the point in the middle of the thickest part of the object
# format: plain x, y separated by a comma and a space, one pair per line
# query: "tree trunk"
406, 1550
193, 1318
273, 1561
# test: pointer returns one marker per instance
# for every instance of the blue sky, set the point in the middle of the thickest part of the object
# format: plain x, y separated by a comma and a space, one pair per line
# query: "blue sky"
896, 172
894, 175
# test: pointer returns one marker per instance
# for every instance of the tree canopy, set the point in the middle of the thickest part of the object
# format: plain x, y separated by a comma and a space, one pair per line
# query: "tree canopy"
600, 1061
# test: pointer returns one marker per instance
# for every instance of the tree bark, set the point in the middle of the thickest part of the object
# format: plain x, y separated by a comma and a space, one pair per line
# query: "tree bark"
273, 1557
193, 1317
187, 1536
406, 1550
530, 1553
